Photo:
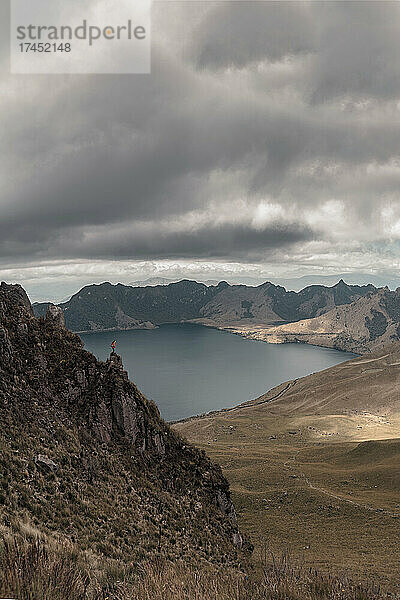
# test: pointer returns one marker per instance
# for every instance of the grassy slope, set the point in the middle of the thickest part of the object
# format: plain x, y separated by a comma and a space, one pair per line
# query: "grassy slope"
40, 569
317, 487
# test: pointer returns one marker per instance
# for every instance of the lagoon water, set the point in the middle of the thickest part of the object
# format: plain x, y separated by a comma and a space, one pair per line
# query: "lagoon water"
188, 369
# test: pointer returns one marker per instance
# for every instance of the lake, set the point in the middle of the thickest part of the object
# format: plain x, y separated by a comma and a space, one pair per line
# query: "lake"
188, 369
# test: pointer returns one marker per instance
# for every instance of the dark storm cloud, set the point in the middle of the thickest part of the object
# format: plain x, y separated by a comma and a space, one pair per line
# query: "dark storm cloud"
206, 242
151, 240
358, 51
238, 33
353, 46
285, 105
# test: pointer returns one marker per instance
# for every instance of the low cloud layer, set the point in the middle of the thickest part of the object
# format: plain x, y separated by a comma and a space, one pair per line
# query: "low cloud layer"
267, 134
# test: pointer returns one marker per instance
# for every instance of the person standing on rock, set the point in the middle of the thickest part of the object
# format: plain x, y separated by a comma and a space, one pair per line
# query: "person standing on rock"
113, 345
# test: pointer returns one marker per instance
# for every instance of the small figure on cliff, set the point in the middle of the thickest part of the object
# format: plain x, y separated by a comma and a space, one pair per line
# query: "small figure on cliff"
113, 345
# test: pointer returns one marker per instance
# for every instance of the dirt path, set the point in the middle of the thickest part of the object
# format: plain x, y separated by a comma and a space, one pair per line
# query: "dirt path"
239, 407
287, 387
321, 490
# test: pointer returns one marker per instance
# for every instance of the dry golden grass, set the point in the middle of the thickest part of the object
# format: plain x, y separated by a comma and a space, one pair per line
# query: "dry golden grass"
303, 474
33, 569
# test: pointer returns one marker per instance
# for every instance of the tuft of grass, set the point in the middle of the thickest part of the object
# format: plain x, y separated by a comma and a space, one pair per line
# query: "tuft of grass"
36, 569
31, 571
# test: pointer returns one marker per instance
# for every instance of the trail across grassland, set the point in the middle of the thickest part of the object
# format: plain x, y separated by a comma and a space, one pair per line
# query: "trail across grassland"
310, 485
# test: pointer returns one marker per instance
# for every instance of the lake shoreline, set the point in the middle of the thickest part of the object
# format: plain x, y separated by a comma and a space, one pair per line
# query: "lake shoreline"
256, 333
190, 370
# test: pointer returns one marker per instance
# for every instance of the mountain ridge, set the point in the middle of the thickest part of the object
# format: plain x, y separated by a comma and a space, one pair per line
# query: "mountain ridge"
112, 307
367, 324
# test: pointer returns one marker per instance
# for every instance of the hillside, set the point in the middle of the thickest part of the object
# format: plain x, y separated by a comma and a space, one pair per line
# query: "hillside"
106, 306
313, 465
99, 498
367, 324
85, 458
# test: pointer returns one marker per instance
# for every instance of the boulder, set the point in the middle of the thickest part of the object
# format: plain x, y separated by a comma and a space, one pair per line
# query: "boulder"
45, 463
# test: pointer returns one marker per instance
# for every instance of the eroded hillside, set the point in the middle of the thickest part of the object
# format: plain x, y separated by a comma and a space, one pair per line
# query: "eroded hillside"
367, 324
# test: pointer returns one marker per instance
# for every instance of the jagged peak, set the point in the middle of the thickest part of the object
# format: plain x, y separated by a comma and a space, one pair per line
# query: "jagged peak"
341, 284
269, 285
16, 295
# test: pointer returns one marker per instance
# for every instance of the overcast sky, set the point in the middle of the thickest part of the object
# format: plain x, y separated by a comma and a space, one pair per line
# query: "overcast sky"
265, 142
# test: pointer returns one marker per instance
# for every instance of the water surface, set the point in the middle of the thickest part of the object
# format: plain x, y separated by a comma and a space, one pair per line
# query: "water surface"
188, 369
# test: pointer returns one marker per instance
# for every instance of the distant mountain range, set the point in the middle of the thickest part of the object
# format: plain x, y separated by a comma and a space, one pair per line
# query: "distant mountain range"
295, 284
113, 307
152, 281
298, 283
369, 323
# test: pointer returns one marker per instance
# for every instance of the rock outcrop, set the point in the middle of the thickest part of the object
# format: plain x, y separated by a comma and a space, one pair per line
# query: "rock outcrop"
55, 315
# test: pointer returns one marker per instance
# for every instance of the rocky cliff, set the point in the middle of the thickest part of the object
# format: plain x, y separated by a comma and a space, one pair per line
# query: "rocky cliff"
85, 456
